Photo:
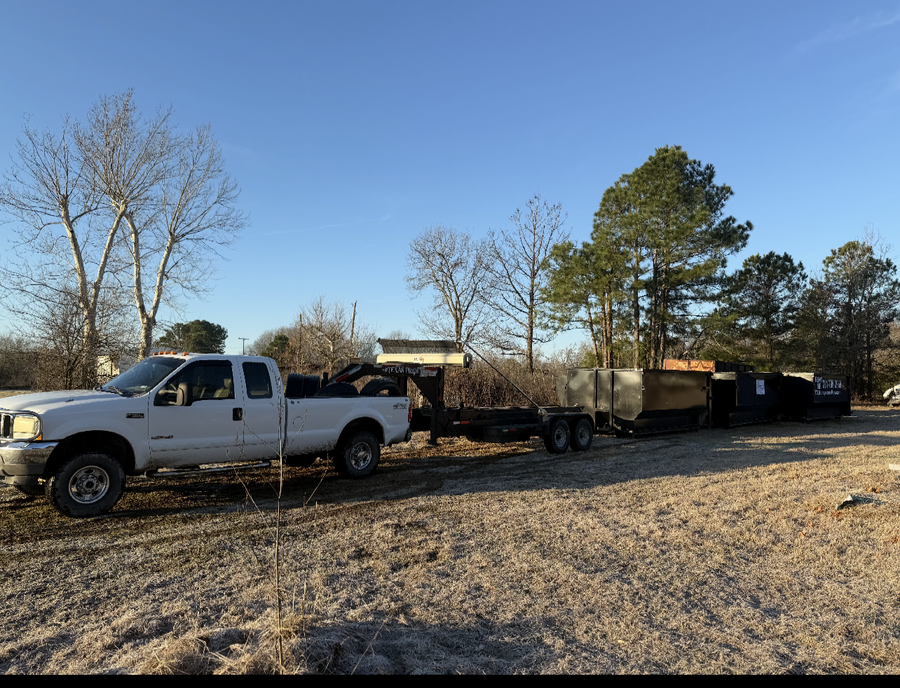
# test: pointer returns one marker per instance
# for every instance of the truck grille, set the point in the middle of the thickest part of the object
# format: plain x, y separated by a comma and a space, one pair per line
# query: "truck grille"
5, 426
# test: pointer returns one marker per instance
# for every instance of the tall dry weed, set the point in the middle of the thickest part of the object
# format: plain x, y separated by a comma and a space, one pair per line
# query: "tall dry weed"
480, 385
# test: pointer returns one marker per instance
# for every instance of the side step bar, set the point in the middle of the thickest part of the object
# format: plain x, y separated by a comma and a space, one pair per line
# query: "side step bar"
178, 472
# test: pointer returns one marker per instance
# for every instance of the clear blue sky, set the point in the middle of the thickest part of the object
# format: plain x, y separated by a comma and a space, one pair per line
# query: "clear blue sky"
353, 126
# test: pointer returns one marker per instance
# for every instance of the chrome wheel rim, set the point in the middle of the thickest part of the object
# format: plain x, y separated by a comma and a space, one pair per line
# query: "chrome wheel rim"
360, 455
89, 484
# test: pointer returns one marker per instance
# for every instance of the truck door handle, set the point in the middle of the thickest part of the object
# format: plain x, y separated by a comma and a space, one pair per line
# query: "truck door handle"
237, 414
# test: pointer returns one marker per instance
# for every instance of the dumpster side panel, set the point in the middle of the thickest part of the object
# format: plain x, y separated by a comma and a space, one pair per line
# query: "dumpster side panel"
808, 396
667, 390
659, 401
628, 394
581, 388
741, 398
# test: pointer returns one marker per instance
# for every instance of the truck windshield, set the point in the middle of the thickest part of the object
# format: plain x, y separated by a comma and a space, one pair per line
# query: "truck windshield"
144, 376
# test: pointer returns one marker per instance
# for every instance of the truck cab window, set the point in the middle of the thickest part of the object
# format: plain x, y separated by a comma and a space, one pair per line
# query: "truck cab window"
206, 381
259, 383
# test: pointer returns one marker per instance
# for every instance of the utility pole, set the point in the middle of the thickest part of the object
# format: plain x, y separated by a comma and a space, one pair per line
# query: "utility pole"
243, 339
352, 328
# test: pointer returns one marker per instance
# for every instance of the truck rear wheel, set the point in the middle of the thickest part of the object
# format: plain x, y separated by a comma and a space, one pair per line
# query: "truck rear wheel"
86, 485
557, 440
358, 456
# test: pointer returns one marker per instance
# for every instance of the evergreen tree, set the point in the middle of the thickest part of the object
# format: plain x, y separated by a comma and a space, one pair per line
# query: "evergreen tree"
764, 298
581, 294
864, 294
197, 336
657, 255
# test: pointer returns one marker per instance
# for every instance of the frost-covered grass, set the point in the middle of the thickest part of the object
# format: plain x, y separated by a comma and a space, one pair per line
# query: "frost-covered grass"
710, 552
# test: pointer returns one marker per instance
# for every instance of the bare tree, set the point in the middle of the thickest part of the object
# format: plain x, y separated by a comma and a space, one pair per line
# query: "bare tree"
453, 267
322, 338
326, 329
51, 192
73, 191
17, 364
174, 194
52, 336
330, 337
518, 262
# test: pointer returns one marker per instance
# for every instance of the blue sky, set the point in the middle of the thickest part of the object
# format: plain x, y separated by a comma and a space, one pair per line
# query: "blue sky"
353, 126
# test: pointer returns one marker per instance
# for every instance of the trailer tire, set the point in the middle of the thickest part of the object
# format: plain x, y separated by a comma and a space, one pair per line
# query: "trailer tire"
378, 385
582, 435
557, 440
358, 455
337, 389
86, 485
293, 386
301, 386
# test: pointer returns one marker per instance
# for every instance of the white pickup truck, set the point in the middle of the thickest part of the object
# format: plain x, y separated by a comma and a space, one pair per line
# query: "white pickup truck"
176, 410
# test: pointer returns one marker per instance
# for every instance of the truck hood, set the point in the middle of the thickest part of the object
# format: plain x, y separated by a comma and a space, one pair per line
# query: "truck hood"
43, 402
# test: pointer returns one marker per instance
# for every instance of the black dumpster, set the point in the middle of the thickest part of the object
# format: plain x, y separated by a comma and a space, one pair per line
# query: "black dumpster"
809, 396
742, 398
640, 401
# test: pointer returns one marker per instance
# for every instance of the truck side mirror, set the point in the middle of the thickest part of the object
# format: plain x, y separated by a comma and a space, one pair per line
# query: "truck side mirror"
185, 396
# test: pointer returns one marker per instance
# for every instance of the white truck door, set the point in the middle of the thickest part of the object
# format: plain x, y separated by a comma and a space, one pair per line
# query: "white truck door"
209, 429
262, 411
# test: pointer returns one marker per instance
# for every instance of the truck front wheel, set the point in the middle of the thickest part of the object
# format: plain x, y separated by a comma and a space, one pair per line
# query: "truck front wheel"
86, 485
358, 456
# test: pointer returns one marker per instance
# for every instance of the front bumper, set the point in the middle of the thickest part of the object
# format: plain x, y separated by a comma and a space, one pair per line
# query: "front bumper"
22, 463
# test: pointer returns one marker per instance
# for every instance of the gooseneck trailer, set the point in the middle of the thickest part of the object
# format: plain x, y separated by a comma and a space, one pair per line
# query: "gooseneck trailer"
686, 395
424, 363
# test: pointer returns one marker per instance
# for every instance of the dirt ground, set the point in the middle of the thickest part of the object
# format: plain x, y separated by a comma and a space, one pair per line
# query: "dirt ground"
720, 551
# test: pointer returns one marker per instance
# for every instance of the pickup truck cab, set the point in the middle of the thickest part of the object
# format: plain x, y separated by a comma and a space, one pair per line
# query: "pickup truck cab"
175, 410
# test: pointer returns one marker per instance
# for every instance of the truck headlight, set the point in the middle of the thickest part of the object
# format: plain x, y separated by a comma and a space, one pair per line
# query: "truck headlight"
26, 427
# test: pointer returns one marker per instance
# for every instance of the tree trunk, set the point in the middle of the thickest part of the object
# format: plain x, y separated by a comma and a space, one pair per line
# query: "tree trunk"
590, 316
88, 294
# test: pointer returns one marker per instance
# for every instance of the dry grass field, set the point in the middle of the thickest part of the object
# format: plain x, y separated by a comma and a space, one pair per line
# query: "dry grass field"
710, 552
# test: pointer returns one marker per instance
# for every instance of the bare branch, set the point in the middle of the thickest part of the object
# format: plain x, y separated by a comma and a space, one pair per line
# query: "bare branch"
453, 267
518, 261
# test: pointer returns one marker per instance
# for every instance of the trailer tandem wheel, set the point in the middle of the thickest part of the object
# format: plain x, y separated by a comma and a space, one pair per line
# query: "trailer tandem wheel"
557, 440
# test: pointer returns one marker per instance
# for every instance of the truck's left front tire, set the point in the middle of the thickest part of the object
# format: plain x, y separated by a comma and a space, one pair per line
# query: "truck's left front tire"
358, 456
86, 485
